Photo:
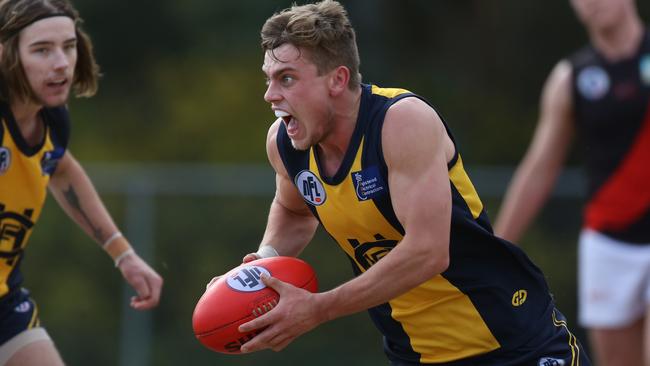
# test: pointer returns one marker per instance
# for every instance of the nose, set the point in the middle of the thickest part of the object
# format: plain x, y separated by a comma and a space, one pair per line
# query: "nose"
61, 60
272, 94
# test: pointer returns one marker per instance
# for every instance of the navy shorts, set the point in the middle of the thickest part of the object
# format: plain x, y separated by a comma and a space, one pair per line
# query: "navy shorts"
18, 312
557, 346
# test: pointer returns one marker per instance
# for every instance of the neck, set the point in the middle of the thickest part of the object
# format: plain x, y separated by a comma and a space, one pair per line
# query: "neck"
619, 42
25, 113
344, 120
28, 121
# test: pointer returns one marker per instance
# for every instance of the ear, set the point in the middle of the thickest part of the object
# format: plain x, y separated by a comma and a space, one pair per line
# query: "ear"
339, 78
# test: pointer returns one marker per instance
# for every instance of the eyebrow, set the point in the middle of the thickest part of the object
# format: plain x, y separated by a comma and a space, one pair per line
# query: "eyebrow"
47, 42
282, 70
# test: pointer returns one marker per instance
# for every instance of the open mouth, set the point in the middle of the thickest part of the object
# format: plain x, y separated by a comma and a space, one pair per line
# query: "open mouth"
286, 117
289, 122
57, 83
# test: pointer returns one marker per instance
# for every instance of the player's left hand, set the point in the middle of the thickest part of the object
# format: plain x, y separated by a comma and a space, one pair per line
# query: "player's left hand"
296, 313
144, 280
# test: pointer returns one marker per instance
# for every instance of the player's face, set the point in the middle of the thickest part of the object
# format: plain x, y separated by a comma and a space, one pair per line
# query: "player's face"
48, 52
298, 95
601, 15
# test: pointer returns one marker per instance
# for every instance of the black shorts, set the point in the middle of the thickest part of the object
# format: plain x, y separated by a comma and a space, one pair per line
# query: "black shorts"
18, 312
559, 347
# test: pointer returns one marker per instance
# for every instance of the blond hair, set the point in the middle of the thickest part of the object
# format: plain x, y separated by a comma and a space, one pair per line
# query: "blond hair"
323, 30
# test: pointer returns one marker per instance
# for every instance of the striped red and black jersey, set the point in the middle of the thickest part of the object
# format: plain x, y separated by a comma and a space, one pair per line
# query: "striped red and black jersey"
611, 101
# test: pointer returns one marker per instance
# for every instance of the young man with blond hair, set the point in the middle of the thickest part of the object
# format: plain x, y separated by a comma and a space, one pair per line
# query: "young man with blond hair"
379, 170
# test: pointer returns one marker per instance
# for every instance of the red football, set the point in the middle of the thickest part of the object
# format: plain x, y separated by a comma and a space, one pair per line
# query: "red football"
240, 296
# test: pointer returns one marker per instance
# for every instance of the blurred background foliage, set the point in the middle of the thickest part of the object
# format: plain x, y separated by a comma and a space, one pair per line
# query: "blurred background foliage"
183, 84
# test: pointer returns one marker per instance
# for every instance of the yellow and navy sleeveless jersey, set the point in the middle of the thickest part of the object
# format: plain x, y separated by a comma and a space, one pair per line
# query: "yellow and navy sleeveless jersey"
24, 174
612, 115
490, 301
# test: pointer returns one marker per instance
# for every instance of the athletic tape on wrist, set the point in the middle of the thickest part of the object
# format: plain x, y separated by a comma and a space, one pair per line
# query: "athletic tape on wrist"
111, 238
266, 251
121, 257
117, 247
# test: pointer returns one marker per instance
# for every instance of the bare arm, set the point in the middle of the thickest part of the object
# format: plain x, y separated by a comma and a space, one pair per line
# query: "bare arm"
77, 196
290, 225
416, 149
540, 167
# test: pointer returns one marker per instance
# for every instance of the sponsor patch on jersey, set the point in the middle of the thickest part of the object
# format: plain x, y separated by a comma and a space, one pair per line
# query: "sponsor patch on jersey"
644, 69
368, 183
5, 160
23, 307
310, 187
51, 159
549, 361
593, 82
519, 297
248, 279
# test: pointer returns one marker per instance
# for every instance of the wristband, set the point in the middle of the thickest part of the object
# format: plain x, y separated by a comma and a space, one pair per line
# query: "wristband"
121, 257
117, 247
266, 251
111, 238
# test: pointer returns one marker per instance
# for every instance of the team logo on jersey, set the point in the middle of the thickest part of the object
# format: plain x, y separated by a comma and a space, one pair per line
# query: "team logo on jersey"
247, 279
644, 69
310, 187
548, 361
13, 230
5, 160
50, 160
368, 183
369, 253
593, 82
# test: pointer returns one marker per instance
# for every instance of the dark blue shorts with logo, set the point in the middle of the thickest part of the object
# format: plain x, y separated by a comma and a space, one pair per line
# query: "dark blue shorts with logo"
18, 313
555, 346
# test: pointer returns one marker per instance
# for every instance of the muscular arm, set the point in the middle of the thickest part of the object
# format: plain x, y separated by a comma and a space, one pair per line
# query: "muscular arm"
540, 167
416, 149
290, 225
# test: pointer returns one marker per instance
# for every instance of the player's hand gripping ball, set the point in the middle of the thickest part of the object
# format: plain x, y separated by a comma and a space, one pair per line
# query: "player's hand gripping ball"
240, 296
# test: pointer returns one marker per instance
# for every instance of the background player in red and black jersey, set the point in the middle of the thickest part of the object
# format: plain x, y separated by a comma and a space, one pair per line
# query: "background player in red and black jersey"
43, 54
601, 94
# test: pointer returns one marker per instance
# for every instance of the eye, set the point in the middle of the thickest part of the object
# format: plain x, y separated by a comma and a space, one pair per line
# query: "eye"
42, 50
287, 80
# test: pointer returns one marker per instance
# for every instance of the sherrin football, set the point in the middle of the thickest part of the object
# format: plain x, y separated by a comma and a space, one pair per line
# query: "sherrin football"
240, 296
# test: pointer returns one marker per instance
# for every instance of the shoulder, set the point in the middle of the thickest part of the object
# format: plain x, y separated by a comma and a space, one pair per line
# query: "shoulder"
408, 118
58, 118
558, 86
272, 150
412, 129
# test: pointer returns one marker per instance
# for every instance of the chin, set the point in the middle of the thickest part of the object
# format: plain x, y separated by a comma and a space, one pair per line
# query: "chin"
300, 146
55, 102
